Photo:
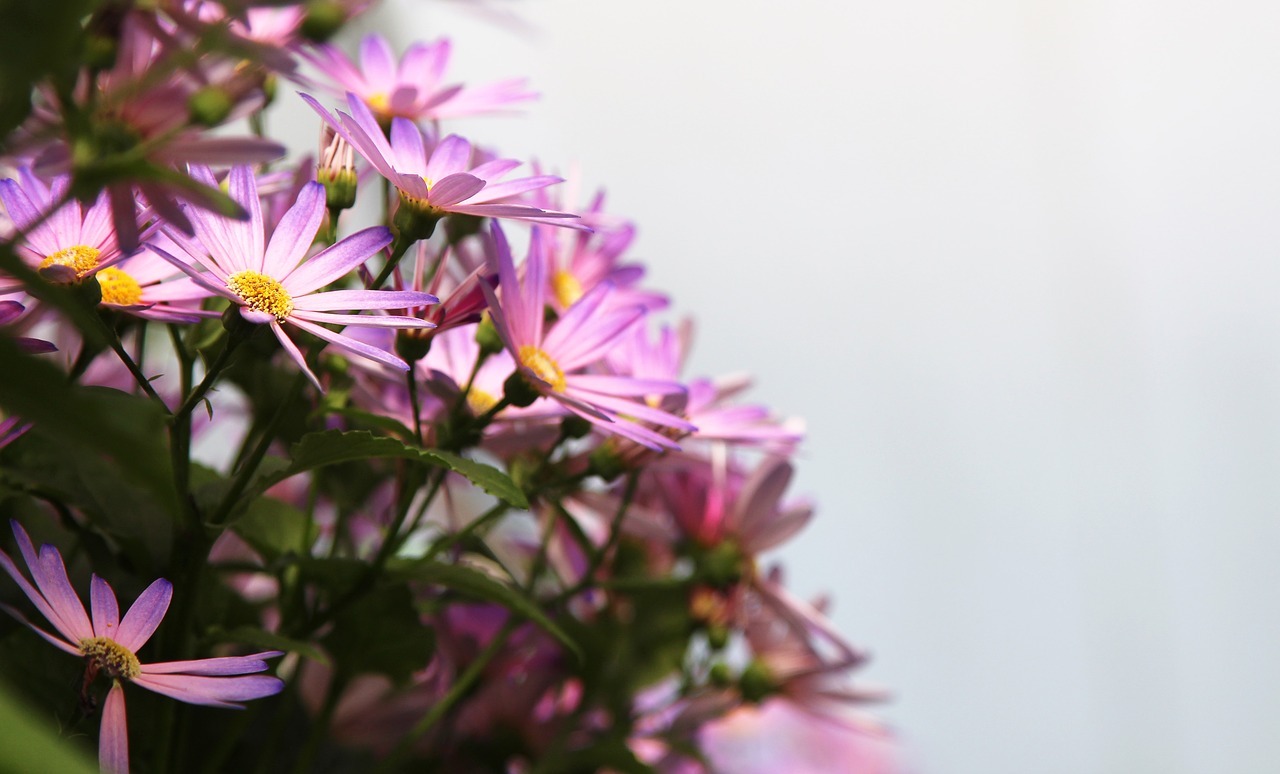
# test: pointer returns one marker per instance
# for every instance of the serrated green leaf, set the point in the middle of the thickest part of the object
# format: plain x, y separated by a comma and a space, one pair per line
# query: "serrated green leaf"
330, 447
248, 635
474, 583
487, 477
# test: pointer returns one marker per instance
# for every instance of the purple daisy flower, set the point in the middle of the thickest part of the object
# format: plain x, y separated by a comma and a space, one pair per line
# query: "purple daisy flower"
274, 282
109, 644
72, 243
440, 181
554, 362
414, 87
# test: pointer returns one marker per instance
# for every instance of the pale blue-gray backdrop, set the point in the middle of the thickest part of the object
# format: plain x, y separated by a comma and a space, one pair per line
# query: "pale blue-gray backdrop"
1016, 263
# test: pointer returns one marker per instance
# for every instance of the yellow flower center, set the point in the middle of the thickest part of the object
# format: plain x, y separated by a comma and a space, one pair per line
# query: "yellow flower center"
118, 287
567, 288
378, 103
112, 657
261, 293
480, 401
82, 258
542, 366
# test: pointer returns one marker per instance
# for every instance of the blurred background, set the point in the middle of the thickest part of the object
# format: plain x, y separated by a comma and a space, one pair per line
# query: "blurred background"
1015, 262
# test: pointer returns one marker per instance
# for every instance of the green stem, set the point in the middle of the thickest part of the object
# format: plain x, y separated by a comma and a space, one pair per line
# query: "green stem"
401, 247
250, 465
459, 689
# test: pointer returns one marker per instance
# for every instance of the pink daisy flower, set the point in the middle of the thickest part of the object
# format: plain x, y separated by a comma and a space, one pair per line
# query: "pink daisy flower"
434, 183
413, 88
72, 243
555, 362
109, 644
275, 283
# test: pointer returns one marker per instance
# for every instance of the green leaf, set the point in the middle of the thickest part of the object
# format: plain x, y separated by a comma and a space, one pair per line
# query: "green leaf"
474, 583
274, 528
487, 477
384, 633
37, 39
128, 430
29, 745
249, 635
330, 447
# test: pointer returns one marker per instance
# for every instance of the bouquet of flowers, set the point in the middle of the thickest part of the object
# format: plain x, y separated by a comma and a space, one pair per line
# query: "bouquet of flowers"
418, 484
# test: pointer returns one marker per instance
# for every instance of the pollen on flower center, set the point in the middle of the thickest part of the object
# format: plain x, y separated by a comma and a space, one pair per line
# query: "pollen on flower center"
567, 288
543, 366
112, 657
480, 401
261, 293
82, 258
378, 103
118, 287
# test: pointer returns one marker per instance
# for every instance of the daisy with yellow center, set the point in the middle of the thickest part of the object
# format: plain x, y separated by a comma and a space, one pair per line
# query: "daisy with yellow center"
66, 245
109, 645
274, 282
555, 363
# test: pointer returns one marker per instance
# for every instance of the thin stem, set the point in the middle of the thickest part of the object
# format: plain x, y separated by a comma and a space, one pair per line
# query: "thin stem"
250, 465
459, 689
401, 247
411, 378
113, 339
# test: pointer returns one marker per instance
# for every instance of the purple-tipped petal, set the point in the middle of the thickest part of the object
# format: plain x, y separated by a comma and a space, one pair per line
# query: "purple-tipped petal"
351, 345
211, 691
377, 61
336, 300
453, 154
231, 665
106, 611
113, 735
297, 230
56, 641
145, 615
51, 578
294, 353
337, 260
455, 188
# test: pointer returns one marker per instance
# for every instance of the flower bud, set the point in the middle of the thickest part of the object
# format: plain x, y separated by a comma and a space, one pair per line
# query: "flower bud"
756, 683
336, 170
209, 106
323, 19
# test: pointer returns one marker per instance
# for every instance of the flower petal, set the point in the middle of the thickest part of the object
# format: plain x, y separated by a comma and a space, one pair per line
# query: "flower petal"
51, 578
231, 665
334, 262
113, 735
106, 611
297, 230
211, 691
145, 615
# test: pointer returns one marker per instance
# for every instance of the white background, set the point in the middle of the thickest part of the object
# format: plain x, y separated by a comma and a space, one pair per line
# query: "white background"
1016, 264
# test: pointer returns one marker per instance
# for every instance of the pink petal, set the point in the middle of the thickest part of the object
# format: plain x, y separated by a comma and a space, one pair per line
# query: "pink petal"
113, 736
294, 353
